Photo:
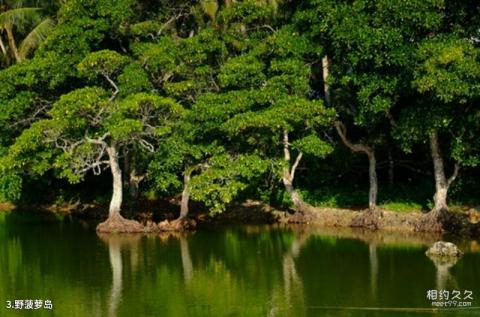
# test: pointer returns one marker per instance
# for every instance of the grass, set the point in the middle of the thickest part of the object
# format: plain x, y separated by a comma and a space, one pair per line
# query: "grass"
336, 198
401, 206
400, 199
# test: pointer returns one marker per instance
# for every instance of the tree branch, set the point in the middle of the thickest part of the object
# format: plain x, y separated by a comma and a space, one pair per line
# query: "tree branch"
93, 166
97, 117
62, 146
147, 145
99, 141
342, 132
115, 87
295, 165
32, 117
390, 118
452, 178
166, 24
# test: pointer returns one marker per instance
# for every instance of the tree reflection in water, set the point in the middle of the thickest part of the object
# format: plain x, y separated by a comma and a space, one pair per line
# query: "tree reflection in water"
444, 279
373, 257
117, 243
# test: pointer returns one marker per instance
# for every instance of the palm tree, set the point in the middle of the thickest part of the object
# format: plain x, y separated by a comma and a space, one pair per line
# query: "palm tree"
17, 21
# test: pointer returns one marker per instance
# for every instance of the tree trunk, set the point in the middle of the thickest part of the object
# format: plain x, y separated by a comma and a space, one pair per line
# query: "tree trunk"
2, 46
342, 132
126, 168
117, 195
289, 174
12, 43
134, 185
134, 181
296, 199
185, 194
372, 173
372, 163
441, 182
326, 87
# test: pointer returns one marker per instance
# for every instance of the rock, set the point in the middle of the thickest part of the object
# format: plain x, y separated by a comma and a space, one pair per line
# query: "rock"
444, 249
443, 263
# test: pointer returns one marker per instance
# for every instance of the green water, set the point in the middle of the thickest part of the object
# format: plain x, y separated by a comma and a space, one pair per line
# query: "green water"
234, 271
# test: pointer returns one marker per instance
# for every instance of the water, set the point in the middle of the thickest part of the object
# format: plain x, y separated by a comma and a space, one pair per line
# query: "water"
234, 271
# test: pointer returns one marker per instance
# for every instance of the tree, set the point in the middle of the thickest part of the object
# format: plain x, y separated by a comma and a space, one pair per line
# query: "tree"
29, 89
87, 128
209, 173
193, 160
447, 75
367, 64
267, 104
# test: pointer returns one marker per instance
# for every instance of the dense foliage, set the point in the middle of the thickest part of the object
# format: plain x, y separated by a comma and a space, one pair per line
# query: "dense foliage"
228, 100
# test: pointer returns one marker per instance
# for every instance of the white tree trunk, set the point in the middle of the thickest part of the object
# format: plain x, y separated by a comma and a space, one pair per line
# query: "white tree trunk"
297, 201
185, 194
289, 174
441, 184
326, 87
372, 173
117, 195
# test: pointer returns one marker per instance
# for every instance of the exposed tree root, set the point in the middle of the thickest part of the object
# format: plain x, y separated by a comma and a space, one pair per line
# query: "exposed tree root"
304, 214
118, 224
181, 224
432, 221
370, 219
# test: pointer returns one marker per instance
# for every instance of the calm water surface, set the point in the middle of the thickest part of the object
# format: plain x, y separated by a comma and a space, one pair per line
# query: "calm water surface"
233, 271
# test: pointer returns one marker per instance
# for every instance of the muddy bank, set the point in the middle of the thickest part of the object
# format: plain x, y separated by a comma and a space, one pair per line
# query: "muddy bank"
158, 216
467, 223
7, 206
433, 222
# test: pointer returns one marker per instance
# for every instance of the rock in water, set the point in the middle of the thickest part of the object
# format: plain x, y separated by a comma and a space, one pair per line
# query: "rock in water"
444, 249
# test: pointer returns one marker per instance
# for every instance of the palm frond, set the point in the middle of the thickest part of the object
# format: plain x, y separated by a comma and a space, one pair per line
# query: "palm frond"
19, 16
35, 37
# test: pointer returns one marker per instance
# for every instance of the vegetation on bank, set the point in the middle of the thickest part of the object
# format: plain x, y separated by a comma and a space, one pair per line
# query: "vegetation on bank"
361, 104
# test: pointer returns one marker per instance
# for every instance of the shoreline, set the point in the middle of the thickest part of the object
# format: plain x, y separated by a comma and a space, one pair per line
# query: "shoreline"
257, 213
5, 207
